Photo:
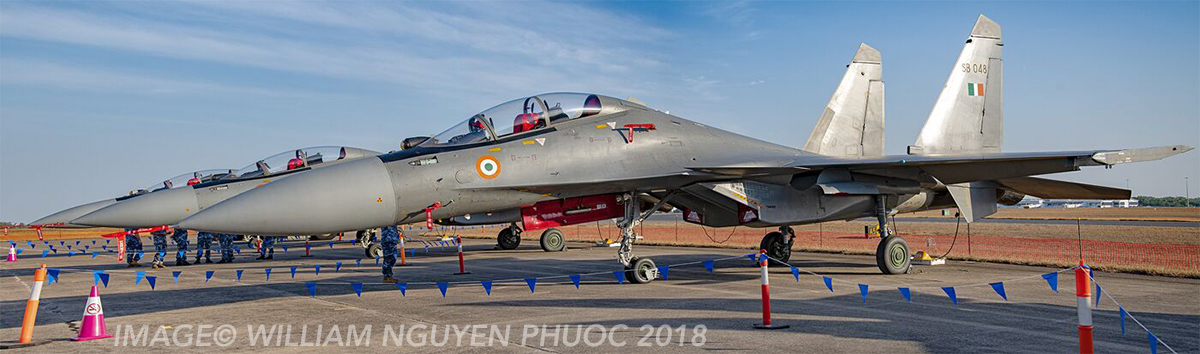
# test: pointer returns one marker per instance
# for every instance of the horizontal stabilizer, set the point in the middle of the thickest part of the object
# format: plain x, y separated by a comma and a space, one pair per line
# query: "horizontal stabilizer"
1139, 155
1052, 189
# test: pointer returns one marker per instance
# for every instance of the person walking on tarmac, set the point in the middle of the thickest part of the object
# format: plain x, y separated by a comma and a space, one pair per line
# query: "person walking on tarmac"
180, 237
267, 250
226, 242
204, 242
389, 239
160, 248
133, 248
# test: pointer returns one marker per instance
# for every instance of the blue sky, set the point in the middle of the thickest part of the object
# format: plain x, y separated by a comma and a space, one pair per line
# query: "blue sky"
98, 98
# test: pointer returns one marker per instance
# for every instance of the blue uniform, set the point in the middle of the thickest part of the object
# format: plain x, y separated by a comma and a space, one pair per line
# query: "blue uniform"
226, 242
268, 247
160, 246
180, 237
389, 239
204, 242
133, 247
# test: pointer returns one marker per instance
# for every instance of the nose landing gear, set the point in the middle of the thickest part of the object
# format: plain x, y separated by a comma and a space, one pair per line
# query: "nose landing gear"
778, 244
509, 238
637, 270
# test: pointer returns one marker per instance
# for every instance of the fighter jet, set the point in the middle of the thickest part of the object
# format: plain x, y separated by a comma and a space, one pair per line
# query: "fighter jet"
169, 206
63, 218
564, 158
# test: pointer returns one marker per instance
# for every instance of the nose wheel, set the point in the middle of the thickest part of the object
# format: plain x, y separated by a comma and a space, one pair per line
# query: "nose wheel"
642, 271
509, 238
778, 244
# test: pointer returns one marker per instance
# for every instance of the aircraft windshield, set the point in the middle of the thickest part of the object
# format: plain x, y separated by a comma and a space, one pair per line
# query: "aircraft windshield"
291, 160
190, 178
518, 116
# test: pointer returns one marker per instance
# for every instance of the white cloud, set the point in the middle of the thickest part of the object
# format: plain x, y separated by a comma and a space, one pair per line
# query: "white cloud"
502, 48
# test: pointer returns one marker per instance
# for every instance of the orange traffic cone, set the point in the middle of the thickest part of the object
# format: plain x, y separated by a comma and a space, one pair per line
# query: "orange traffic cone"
93, 319
12, 253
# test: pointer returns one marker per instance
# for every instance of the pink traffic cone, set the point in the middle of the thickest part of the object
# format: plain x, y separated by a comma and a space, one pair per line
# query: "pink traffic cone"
93, 319
12, 253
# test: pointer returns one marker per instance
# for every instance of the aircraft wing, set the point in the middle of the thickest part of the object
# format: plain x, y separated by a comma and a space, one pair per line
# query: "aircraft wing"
965, 168
1052, 189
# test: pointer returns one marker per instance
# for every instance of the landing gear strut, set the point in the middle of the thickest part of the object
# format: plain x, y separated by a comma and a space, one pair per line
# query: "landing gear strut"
637, 270
778, 244
509, 238
366, 239
892, 253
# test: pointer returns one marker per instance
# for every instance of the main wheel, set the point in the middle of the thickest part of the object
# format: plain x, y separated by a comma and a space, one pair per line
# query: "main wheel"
892, 255
642, 271
374, 251
507, 239
552, 241
777, 247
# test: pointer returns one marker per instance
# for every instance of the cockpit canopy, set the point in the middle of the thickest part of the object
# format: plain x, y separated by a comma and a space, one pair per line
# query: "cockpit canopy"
190, 178
518, 116
296, 159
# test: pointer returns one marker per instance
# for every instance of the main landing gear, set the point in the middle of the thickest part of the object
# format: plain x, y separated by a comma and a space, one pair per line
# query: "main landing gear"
892, 253
637, 270
552, 239
778, 244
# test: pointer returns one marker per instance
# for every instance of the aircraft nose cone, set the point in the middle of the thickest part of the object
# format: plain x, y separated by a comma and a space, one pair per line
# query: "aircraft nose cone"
66, 216
353, 195
164, 207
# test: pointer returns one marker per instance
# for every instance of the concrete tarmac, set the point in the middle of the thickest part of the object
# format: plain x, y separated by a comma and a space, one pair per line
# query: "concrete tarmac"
223, 313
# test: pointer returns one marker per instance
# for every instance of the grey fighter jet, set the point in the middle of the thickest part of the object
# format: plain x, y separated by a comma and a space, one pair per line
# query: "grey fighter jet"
557, 159
169, 206
63, 218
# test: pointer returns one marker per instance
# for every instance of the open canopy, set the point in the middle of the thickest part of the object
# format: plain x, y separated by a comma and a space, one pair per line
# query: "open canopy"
518, 116
190, 178
291, 160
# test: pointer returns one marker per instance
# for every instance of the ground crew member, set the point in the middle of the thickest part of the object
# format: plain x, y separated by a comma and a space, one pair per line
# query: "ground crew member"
267, 251
160, 248
226, 242
133, 248
180, 237
389, 239
204, 242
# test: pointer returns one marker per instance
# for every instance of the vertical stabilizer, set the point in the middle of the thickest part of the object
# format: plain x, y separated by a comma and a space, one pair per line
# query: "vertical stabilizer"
968, 116
852, 123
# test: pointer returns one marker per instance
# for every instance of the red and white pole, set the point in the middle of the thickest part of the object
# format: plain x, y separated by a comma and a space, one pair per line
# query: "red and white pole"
462, 265
1083, 293
766, 295
403, 262
31, 306
307, 249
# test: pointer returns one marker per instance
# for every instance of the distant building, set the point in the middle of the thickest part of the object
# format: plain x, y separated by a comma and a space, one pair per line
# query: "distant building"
1034, 202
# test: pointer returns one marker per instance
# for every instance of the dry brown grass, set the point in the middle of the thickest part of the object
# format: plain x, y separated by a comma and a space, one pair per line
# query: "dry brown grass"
1139, 214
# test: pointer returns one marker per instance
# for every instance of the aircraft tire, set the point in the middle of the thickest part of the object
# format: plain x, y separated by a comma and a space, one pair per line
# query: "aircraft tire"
507, 239
374, 251
893, 256
639, 272
553, 241
777, 247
